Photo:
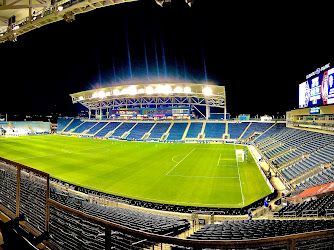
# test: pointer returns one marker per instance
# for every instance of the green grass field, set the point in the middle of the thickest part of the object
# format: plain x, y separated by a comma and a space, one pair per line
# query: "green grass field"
185, 174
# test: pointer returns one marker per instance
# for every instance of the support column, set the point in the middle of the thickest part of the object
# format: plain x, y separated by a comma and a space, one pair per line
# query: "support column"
207, 112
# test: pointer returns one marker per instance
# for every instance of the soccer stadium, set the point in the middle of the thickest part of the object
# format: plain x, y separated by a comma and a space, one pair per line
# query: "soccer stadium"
163, 165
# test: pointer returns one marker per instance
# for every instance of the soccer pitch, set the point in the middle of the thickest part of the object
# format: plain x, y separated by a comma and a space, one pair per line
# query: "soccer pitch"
184, 174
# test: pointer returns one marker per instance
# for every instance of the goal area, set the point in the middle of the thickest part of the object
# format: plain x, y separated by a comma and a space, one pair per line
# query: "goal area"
240, 155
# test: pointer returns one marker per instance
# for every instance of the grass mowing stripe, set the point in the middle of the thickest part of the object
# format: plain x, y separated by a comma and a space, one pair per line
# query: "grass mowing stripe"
138, 169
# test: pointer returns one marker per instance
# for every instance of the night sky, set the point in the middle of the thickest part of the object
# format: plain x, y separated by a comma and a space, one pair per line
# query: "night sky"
259, 53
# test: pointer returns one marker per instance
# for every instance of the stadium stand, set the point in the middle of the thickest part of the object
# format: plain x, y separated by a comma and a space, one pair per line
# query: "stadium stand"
159, 129
139, 130
72, 125
214, 130
107, 129
318, 207
259, 229
236, 129
177, 131
194, 129
124, 127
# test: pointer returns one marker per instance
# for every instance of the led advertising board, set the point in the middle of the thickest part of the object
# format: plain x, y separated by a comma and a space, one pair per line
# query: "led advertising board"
318, 90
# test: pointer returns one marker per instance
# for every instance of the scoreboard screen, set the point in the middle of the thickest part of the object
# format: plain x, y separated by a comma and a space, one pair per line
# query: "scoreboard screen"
317, 91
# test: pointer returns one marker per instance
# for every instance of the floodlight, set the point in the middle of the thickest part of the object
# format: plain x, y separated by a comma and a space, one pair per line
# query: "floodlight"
141, 91
101, 94
132, 90
116, 92
167, 89
187, 90
149, 90
60, 8
124, 91
81, 98
95, 95
16, 27
159, 89
207, 91
178, 90
108, 93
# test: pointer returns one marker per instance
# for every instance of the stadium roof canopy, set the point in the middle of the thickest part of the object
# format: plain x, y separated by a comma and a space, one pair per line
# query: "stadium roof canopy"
32, 14
153, 95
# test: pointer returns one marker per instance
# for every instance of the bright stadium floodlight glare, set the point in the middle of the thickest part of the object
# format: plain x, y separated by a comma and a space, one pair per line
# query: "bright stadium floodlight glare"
101, 94
178, 90
132, 90
149, 90
141, 91
95, 95
207, 91
108, 93
159, 89
166, 89
81, 98
116, 92
124, 91
187, 90
60, 8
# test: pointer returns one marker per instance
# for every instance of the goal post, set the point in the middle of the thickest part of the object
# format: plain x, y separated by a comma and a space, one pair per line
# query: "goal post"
240, 155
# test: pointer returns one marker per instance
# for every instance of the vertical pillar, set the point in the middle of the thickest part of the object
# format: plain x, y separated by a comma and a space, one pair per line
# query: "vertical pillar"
207, 112
47, 208
89, 113
18, 175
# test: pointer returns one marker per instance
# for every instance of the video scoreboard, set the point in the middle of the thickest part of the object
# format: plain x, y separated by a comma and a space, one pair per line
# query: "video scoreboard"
318, 90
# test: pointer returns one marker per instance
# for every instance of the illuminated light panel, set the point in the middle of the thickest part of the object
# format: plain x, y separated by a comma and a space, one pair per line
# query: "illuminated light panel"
95, 95
132, 90
141, 91
187, 90
101, 94
207, 91
149, 90
178, 90
116, 92
81, 98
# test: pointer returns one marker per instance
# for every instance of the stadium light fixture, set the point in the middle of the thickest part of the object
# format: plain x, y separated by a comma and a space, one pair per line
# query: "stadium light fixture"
108, 93
159, 89
187, 90
116, 92
81, 98
166, 89
141, 91
95, 95
149, 90
132, 90
207, 91
16, 27
60, 8
178, 90
101, 94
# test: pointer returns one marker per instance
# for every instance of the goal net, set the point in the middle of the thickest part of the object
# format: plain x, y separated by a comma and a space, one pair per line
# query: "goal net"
240, 154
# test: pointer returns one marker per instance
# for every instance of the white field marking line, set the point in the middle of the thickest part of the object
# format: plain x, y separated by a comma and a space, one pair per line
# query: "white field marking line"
175, 157
142, 197
219, 160
210, 177
181, 161
242, 194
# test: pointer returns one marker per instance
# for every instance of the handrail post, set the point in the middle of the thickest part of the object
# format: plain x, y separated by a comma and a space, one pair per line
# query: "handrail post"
18, 177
